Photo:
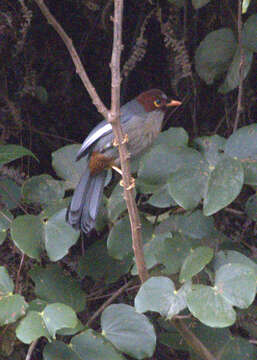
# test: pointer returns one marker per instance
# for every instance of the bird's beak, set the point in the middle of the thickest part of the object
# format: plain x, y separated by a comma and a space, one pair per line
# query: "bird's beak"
174, 103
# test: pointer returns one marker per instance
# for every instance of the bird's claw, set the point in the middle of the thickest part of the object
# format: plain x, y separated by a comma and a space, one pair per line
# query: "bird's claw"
131, 186
124, 140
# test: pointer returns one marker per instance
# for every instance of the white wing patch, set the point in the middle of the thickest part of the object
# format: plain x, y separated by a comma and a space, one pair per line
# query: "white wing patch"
95, 136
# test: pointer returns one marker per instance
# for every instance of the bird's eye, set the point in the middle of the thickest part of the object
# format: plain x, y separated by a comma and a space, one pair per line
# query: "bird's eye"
157, 103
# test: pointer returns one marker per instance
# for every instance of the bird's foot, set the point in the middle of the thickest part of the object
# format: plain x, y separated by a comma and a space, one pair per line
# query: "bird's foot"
132, 184
124, 140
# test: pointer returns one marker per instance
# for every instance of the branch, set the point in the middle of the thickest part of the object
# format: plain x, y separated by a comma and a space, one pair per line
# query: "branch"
241, 67
76, 60
112, 116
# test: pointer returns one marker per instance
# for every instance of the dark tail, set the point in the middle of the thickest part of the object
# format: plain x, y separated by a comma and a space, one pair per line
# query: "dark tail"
83, 209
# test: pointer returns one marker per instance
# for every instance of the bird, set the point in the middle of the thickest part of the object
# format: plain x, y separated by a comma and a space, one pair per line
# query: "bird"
141, 122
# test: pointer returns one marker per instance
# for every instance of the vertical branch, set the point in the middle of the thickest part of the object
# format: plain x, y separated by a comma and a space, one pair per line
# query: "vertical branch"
114, 116
241, 67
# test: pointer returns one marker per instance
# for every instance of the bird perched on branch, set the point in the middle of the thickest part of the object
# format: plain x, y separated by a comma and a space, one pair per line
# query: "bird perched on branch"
141, 121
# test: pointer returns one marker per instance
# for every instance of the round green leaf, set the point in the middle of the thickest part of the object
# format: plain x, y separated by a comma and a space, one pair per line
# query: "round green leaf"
242, 144
178, 3
251, 207
238, 349
58, 316
130, 332
65, 164
6, 283
59, 236
42, 189
233, 77
89, 345
119, 241
249, 34
173, 137
27, 234
31, 328
53, 285
12, 152
10, 193
161, 198
208, 306
157, 164
12, 307
171, 250
197, 4
98, 264
237, 284
41, 94
195, 262
224, 185
232, 257
186, 186
211, 147
156, 294
214, 54
57, 350
116, 203
6, 218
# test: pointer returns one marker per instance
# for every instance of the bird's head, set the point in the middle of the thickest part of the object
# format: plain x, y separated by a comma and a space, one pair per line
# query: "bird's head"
156, 99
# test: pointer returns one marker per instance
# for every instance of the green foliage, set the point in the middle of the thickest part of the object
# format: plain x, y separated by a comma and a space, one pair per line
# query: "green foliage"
213, 172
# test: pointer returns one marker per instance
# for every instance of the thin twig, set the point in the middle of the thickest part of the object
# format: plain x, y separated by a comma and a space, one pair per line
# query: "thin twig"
31, 349
241, 67
108, 302
17, 286
76, 60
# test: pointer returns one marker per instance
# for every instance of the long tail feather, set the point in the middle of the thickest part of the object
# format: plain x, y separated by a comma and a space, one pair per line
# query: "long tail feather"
85, 202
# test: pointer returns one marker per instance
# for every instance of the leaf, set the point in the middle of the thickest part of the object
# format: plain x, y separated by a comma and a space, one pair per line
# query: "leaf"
89, 345
161, 161
155, 294
249, 33
58, 316
237, 284
242, 144
42, 189
211, 147
27, 234
195, 262
161, 198
10, 193
12, 307
58, 350
31, 328
233, 77
173, 137
116, 203
59, 236
6, 283
232, 257
245, 5
178, 3
251, 207
171, 250
12, 152
130, 332
54, 285
238, 348
208, 306
41, 94
158, 294
197, 4
66, 167
98, 264
119, 241
224, 185
214, 54
186, 186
